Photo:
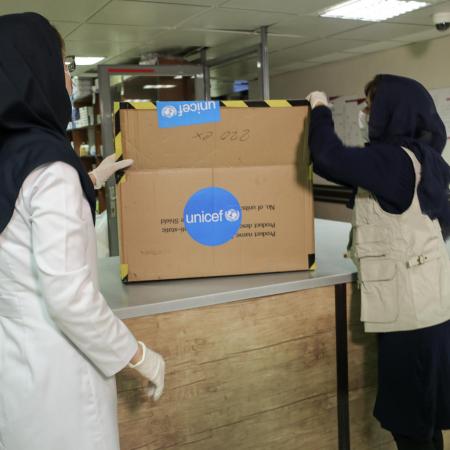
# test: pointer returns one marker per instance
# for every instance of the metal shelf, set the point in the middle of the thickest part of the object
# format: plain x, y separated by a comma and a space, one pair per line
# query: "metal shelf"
84, 128
86, 100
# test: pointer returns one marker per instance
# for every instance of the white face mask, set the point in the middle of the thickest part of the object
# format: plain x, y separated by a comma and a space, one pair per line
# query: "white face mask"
363, 124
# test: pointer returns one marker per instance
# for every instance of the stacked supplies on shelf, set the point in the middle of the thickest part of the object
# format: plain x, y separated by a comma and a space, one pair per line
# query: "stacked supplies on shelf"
82, 117
82, 87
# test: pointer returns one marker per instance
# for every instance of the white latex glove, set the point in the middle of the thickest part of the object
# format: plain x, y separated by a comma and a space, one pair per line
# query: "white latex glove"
107, 168
152, 367
317, 97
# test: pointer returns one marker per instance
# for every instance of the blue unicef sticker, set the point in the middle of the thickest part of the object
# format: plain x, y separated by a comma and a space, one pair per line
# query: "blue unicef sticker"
212, 216
178, 114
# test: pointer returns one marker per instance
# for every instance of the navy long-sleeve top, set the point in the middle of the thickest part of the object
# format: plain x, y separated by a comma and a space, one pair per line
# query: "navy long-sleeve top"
385, 170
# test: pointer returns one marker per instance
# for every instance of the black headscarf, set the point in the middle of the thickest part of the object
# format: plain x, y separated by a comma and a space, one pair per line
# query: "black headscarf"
34, 107
403, 113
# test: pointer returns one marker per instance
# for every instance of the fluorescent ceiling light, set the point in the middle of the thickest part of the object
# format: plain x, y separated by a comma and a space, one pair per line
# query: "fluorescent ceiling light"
88, 60
159, 86
372, 10
178, 77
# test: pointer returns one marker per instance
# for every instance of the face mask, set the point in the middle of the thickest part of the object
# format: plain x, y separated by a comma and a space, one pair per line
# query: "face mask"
363, 124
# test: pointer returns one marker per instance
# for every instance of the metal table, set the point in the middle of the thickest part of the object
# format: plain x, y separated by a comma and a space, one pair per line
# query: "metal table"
142, 299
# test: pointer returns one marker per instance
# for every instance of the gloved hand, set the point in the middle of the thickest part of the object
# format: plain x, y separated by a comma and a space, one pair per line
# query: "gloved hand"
317, 98
107, 168
152, 367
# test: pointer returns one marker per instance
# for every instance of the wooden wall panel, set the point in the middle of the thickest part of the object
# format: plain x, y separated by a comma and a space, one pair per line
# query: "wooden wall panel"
256, 374
253, 375
365, 431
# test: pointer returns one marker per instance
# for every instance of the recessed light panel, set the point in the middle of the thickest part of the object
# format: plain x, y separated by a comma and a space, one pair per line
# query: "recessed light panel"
372, 10
88, 60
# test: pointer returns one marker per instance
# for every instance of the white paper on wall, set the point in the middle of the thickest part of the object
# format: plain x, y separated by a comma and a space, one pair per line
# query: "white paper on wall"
352, 132
345, 117
338, 111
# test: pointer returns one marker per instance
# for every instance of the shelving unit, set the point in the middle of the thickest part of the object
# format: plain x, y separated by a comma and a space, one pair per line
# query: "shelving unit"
90, 135
133, 82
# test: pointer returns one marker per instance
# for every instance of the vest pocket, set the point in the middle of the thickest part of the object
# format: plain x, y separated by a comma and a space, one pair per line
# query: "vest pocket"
426, 290
379, 290
370, 241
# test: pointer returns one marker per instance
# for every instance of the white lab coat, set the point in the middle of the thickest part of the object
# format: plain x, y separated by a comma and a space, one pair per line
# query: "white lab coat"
60, 344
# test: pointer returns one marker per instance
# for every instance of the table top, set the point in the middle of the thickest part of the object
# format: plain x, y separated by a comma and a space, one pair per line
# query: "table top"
155, 297
142, 299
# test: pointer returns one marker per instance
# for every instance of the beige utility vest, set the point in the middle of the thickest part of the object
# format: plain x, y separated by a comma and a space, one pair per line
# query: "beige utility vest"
403, 265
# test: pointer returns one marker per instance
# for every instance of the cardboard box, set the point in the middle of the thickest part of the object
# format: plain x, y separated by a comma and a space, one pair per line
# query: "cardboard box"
243, 186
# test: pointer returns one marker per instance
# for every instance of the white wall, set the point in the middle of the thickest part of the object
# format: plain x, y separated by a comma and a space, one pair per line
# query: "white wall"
427, 62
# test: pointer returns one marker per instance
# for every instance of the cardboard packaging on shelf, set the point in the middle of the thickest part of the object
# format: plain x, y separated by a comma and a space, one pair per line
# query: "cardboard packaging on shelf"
223, 198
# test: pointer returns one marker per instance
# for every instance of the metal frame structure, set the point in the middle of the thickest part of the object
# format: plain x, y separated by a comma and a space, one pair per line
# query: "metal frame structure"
343, 408
262, 50
264, 78
106, 111
202, 91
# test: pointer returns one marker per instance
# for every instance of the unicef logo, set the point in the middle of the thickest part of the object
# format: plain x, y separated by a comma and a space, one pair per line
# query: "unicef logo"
232, 215
169, 111
212, 216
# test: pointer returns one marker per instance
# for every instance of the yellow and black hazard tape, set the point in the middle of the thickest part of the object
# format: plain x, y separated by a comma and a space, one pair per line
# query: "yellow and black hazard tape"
312, 264
124, 273
262, 103
224, 103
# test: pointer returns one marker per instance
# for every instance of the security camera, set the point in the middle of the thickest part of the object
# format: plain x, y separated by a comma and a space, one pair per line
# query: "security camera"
441, 21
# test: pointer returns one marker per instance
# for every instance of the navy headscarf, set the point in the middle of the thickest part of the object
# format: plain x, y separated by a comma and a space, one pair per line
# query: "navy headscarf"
403, 113
34, 107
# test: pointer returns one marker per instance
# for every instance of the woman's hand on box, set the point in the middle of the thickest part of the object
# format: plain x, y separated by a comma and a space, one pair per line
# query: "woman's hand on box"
106, 169
317, 98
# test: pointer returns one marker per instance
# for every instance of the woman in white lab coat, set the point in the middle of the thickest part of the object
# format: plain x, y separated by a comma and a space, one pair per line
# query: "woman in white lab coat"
60, 344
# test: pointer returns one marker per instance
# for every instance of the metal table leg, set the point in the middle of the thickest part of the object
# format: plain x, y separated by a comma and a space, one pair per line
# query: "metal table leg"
340, 295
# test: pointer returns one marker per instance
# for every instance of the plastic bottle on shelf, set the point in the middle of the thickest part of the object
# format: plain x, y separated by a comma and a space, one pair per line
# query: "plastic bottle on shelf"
84, 150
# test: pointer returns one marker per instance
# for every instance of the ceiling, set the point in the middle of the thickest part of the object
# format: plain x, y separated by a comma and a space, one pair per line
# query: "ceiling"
122, 30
